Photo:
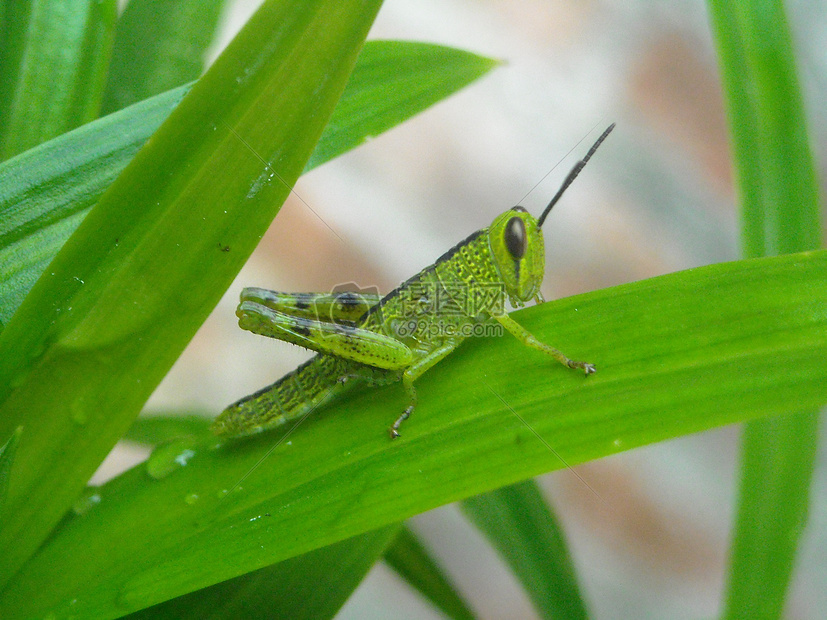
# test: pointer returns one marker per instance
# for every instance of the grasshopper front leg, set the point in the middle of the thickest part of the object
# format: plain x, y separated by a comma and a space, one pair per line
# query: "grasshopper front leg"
528, 339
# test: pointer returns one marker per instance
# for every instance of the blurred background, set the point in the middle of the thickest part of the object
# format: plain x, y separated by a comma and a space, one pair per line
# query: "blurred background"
658, 197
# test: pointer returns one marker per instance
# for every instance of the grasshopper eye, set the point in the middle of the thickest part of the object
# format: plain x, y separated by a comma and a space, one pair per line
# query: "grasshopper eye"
515, 238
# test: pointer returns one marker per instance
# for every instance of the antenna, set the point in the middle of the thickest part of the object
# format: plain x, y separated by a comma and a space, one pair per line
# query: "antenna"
573, 174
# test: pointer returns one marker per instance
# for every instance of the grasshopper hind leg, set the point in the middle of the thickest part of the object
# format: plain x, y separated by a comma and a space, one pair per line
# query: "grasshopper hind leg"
412, 373
393, 431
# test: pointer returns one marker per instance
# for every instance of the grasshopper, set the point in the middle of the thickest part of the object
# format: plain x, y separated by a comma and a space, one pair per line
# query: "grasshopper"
373, 340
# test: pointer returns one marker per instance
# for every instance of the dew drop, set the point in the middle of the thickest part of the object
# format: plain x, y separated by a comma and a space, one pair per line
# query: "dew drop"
88, 500
170, 456
191, 498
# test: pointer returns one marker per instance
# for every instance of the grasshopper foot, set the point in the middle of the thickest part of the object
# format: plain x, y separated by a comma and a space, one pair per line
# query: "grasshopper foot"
393, 431
589, 369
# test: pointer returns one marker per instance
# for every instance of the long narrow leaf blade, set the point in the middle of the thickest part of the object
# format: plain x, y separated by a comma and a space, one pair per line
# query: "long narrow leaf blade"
45, 192
777, 460
720, 344
159, 45
393, 81
779, 213
521, 526
411, 561
53, 64
128, 290
777, 182
312, 586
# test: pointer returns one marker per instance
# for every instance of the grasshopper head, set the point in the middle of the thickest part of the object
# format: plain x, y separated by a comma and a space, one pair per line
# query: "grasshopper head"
516, 243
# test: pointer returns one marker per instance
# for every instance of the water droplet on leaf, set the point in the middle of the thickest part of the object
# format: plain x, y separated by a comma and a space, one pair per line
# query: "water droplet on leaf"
171, 456
87, 501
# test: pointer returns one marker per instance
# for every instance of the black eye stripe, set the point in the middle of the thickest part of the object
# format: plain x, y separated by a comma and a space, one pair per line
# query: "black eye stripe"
515, 237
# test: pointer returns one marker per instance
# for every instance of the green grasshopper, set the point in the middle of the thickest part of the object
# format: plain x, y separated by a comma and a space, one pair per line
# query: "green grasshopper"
373, 340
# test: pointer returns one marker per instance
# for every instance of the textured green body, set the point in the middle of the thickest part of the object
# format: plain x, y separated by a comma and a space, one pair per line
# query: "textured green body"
429, 314
298, 392
361, 338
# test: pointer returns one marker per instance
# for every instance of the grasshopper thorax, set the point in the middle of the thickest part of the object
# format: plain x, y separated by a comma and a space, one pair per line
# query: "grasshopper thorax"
516, 243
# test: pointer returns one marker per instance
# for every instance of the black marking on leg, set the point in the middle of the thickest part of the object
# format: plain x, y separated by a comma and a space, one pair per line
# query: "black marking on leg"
302, 327
304, 300
349, 300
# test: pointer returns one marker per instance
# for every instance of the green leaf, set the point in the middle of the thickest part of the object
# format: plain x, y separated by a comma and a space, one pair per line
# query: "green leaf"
410, 559
158, 428
7, 451
675, 355
125, 294
393, 81
159, 45
46, 192
53, 64
312, 586
777, 460
521, 526
776, 178
780, 211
